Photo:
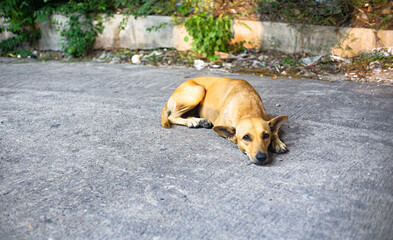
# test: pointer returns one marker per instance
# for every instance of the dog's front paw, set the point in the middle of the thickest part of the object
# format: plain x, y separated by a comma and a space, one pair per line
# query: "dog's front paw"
277, 146
205, 123
197, 123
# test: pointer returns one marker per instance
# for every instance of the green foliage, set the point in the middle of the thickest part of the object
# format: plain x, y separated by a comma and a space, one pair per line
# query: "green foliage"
157, 27
332, 12
288, 61
20, 19
22, 52
78, 36
10, 44
84, 24
366, 57
139, 8
237, 46
209, 34
209, 31
362, 13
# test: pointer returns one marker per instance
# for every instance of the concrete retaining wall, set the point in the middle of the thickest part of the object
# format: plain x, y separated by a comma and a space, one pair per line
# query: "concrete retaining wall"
289, 38
312, 39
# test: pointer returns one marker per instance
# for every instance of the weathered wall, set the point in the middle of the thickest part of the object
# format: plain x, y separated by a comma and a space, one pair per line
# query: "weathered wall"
289, 38
135, 35
313, 39
50, 37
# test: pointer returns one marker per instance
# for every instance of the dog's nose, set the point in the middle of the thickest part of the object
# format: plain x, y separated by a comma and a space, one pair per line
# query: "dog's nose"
261, 157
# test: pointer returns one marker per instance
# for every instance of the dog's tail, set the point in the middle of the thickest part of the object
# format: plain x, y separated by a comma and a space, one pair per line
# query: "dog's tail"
164, 117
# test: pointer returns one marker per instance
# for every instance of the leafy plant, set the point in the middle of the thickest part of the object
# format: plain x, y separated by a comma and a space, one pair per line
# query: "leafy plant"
84, 24
22, 52
10, 44
288, 61
209, 34
366, 57
20, 19
79, 35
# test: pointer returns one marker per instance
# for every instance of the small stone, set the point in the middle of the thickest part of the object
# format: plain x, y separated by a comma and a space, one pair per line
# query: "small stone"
199, 64
262, 57
227, 65
136, 59
257, 64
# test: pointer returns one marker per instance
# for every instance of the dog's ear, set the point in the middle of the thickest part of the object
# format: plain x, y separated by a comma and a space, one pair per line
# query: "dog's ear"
276, 122
226, 132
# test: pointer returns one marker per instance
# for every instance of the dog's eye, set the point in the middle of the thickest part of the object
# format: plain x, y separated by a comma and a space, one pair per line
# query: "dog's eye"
246, 138
266, 135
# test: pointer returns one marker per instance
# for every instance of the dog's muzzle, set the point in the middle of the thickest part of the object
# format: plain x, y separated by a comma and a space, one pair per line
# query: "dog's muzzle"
261, 158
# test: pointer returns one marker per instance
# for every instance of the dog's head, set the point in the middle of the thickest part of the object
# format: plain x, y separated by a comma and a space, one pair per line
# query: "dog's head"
253, 136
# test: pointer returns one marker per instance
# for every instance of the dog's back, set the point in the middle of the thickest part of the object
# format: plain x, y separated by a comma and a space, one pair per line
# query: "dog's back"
226, 94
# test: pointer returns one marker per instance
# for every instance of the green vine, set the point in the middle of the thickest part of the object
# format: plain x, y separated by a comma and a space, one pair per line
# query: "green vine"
79, 35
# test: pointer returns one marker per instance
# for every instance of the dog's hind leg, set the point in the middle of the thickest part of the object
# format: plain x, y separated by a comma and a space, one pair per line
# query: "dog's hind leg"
186, 97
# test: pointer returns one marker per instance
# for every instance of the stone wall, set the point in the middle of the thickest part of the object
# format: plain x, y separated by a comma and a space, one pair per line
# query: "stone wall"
288, 38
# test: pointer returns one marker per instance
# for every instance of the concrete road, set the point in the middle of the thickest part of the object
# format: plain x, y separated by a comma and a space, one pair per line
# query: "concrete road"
83, 156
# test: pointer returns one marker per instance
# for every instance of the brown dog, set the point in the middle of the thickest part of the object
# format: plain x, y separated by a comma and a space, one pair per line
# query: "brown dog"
235, 110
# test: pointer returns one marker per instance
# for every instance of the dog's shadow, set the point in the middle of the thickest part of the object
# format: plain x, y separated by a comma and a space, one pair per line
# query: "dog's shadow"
290, 133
